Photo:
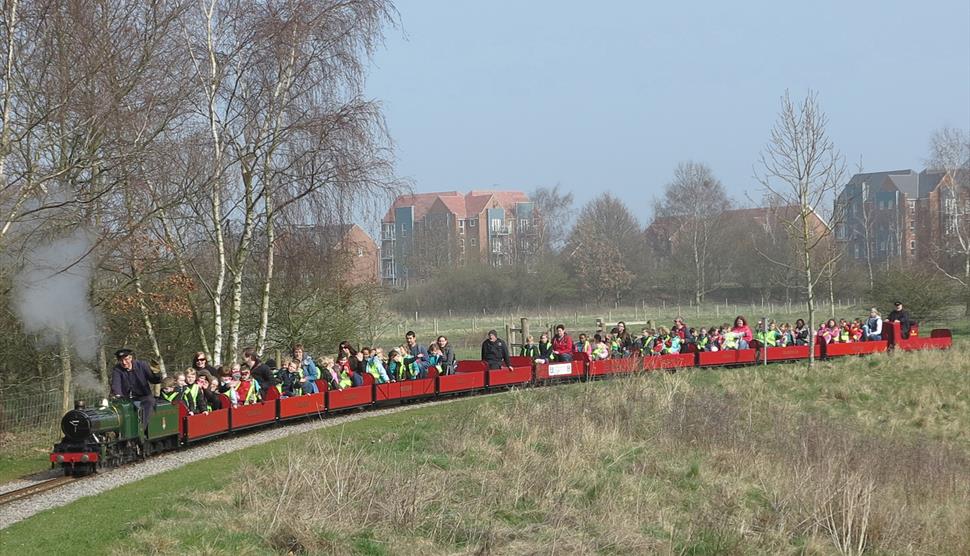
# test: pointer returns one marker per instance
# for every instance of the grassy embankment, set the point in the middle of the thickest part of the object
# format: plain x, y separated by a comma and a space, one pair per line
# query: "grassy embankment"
869, 453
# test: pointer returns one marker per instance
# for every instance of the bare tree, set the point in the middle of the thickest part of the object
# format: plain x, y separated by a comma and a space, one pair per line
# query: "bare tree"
553, 208
801, 166
595, 247
950, 153
695, 200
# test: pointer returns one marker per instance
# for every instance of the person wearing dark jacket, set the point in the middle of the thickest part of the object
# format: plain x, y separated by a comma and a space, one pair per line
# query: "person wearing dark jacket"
902, 317
259, 371
495, 352
447, 356
546, 349
132, 380
201, 363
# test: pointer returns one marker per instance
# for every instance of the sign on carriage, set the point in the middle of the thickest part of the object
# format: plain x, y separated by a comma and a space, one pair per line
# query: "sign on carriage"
559, 369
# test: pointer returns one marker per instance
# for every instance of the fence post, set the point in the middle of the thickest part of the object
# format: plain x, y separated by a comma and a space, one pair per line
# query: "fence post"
525, 328
436, 326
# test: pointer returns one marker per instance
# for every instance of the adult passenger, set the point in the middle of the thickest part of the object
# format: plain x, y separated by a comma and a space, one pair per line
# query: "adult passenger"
801, 333
562, 345
680, 329
743, 331
495, 353
447, 355
902, 317
259, 371
418, 352
623, 337
201, 363
308, 368
131, 379
872, 329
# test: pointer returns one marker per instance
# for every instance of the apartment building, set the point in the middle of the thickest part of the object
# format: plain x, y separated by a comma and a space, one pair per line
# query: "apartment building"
901, 214
425, 232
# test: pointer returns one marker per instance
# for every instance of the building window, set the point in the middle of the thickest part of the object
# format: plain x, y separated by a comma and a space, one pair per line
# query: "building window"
461, 226
360, 251
496, 224
474, 242
912, 244
473, 222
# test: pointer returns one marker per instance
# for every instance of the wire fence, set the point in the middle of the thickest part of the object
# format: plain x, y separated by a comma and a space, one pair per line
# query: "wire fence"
35, 417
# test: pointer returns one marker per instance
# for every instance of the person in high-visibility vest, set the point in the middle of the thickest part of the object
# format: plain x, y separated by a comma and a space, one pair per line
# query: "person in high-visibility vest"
600, 348
192, 396
247, 391
168, 392
530, 349
702, 340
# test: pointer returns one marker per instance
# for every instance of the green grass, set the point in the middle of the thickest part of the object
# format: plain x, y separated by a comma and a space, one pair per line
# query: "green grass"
24, 454
698, 462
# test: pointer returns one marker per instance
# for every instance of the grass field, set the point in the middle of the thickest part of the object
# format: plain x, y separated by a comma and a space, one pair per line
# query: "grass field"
865, 454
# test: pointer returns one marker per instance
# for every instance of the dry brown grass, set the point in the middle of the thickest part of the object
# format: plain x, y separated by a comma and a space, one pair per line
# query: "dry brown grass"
651, 465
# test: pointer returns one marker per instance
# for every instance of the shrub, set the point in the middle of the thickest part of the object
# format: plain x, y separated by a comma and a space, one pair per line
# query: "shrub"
924, 293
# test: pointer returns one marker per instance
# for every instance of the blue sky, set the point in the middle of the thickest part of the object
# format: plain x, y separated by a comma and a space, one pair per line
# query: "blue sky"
611, 95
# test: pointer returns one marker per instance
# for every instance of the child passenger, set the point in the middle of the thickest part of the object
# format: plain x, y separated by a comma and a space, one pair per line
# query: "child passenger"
375, 367
530, 349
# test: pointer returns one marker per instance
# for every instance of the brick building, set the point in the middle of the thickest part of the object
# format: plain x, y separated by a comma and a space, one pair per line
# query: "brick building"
899, 215
427, 231
346, 250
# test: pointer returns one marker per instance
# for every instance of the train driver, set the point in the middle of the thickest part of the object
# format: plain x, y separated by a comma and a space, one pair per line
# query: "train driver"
132, 379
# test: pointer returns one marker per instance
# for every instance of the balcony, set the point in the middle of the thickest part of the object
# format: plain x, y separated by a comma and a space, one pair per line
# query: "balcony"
500, 230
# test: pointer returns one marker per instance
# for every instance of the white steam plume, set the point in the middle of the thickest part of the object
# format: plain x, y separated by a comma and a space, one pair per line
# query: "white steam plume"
50, 294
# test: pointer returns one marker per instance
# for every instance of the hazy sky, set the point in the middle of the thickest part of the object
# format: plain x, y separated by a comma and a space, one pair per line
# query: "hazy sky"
611, 95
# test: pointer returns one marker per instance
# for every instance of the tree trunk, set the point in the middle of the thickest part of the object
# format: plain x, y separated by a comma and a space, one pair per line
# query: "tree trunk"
183, 270
103, 368
810, 290
268, 279
241, 259
67, 395
147, 322
831, 277
220, 276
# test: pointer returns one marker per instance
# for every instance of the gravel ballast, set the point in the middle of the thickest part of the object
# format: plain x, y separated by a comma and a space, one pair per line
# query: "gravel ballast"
107, 480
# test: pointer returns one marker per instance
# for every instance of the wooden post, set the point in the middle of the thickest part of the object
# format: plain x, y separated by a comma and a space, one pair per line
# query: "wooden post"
508, 335
524, 322
435, 326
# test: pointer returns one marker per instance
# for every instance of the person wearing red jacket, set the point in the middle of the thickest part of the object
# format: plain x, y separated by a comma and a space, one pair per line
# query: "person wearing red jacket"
741, 327
562, 345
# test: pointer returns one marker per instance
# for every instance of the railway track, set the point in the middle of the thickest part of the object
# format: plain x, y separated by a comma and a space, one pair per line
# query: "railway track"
36, 488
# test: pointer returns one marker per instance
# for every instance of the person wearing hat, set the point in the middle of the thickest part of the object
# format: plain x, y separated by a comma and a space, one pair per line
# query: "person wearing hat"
494, 351
900, 315
132, 379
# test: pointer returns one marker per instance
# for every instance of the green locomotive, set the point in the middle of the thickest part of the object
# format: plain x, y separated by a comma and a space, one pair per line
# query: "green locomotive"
112, 435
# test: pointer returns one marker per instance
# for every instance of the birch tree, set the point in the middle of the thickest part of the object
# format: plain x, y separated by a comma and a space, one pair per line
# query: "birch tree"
801, 166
